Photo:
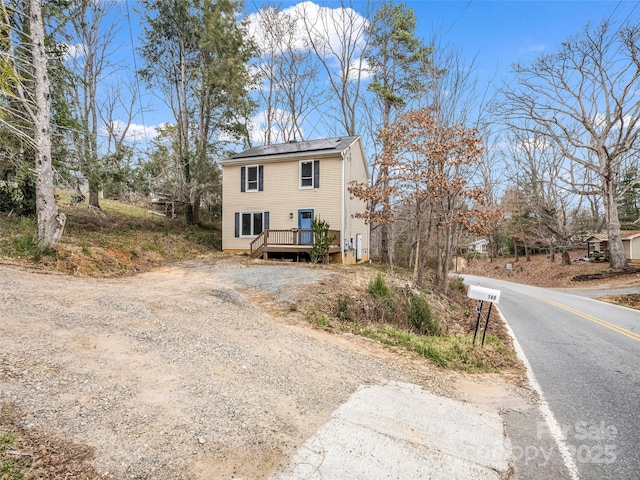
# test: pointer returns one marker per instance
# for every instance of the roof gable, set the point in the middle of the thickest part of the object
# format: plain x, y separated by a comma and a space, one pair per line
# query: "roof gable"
600, 237
478, 242
629, 234
624, 234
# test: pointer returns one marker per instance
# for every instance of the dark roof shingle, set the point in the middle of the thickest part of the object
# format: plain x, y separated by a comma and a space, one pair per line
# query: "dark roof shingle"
325, 145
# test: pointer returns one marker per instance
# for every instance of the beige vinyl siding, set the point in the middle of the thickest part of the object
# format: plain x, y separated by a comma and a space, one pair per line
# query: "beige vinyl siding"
635, 249
281, 196
632, 248
355, 170
626, 245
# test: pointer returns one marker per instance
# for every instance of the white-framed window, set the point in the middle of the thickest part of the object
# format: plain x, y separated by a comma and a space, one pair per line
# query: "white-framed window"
251, 224
310, 174
251, 178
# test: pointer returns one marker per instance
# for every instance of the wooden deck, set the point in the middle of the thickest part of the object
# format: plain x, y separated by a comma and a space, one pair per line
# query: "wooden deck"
289, 241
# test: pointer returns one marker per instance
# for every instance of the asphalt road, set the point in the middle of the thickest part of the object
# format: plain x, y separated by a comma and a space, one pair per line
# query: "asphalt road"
585, 356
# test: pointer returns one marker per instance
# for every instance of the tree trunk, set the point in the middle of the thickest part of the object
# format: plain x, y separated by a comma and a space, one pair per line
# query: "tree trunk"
446, 261
94, 195
196, 208
189, 213
386, 244
417, 267
441, 285
492, 248
412, 253
442, 262
386, 249
617, 257
187, 184
566, 259
426, 242
50, 221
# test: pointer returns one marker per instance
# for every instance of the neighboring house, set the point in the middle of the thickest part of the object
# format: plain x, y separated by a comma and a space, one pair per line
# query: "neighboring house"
480, 246
270, 195
599, 242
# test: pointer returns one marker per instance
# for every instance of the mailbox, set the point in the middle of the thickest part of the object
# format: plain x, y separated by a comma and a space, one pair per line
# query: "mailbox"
484, 294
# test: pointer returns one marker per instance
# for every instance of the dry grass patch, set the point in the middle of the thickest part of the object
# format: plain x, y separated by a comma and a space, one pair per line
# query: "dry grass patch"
31, 454
384, 307
119, 239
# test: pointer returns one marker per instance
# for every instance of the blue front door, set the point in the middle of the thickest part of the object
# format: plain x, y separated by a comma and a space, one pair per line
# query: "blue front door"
305, 219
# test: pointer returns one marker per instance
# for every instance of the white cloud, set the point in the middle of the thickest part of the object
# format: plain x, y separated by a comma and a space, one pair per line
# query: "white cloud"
260, 21
258, 127
140, 132
537, 144
73, 51
330, 28
365, 72
601, 120
136, 132
328, 23
535, 48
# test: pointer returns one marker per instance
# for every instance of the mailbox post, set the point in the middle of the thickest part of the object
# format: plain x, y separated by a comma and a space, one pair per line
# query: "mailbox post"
484, 295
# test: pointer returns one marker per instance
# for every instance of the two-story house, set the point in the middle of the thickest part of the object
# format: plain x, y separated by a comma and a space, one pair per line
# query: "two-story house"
270, 195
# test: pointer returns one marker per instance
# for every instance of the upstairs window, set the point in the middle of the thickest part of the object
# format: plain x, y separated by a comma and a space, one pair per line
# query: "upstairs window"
310, 174
252, 178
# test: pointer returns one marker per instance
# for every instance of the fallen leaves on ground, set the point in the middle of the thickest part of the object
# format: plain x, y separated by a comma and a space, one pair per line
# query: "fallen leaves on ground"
540, 271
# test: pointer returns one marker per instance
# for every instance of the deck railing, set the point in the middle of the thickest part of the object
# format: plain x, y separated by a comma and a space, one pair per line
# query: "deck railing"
297, 237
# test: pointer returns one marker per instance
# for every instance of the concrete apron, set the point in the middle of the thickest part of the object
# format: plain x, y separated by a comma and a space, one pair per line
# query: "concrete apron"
399, 431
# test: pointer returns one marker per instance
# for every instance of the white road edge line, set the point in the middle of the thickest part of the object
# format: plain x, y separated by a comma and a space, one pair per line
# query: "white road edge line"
547, 414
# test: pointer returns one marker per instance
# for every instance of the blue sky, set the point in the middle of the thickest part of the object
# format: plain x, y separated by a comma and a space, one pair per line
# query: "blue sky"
498, 33
503, 32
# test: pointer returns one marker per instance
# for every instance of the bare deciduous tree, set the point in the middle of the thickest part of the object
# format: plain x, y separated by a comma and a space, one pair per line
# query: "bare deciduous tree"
273, 25
338, 36
117, 114
288, 72
93, 29
584, 100
553, 207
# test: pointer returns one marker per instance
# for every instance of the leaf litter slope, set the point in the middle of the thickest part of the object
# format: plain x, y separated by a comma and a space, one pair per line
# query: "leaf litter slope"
541, 272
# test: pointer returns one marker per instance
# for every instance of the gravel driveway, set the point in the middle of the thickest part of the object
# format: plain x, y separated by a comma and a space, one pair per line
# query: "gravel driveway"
180, 372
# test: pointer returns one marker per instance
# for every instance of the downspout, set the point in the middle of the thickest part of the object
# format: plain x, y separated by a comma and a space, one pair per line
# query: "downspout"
343, 219
369, 241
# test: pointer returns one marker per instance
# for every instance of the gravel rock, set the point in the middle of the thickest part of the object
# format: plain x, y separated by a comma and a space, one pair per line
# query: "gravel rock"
179, 373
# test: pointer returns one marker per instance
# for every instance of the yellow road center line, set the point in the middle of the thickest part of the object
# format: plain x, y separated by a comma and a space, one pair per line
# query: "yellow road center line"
616, 328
